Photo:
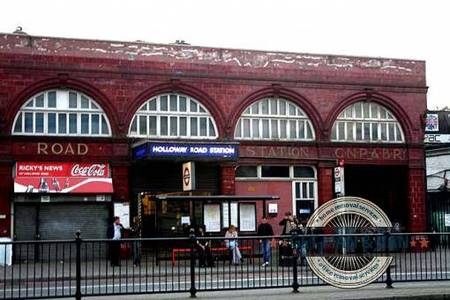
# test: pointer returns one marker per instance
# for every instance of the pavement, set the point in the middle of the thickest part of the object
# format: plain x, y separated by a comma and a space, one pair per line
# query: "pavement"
411, 290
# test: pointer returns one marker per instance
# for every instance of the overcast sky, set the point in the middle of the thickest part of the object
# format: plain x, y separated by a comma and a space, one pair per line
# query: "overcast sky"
387, 28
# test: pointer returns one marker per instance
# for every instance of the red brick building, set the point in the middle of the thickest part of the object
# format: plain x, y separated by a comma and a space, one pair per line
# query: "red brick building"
291, 116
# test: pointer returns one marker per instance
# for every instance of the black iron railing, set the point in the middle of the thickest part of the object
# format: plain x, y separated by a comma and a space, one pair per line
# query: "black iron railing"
82, 268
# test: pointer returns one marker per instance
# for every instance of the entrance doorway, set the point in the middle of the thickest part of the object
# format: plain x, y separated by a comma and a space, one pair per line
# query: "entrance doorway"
386, 186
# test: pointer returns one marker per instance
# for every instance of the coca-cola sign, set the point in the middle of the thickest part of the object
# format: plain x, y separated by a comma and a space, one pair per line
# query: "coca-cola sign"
54, 177
95, 170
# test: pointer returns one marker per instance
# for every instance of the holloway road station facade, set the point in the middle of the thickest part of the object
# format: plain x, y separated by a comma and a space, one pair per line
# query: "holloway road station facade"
89, 129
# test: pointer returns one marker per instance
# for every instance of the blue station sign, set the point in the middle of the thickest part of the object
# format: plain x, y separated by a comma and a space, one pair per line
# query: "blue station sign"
187, 150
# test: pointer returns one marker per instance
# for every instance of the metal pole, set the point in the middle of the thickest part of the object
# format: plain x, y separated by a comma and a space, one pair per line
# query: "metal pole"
78, 265
295, 284
193, 290
388, 270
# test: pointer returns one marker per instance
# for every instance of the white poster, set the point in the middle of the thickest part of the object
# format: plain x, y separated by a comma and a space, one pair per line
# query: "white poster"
186, 220
122, 210
247, 217
432, 122
447, 219
234, 214
211, 217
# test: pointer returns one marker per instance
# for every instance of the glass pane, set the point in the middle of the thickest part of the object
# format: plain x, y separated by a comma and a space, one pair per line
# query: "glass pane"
246, 123
133, 129
143, 125
311, 190
303, 172
212, 131
144, 107
382, 113
283, 131
255, 108
358, 110
182, 103
28, 122
255, 128
238, 129
341, 131
39, 102
309, 134
297, 190
93, 106
291, 110
95, 126
72, 100
152, 105
173, 102
367, 131
39, 122
163, 126
194, 129
163, 103
183, 126
247, 171
265, 128
374, 110
391, 132
293, 129
358, 131
275, 171
84, 102
350, 136
30, 103
203, 126
51, 123
173, 126
265, 107
374, 131
193, 106
152, 125
84, 123
304, 190
301, 129
201, 109
383, 132
282, 107
334, 133
18, 125
399, 132
72, 123
62, 123
273, 107
366, 109
348, 112
274, 128
51, 99
105, 129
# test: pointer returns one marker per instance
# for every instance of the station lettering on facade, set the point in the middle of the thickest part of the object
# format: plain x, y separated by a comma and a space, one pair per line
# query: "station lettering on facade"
276, 152
62, 149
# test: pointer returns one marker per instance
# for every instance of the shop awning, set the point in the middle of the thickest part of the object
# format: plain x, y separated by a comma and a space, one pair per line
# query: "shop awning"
62, 177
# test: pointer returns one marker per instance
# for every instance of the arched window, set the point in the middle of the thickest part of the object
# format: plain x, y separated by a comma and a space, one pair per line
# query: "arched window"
173, 116
367, 122
61, 113
274, 119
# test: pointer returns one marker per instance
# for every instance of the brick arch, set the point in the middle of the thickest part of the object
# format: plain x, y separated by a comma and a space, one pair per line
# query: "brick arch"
176, 86
387, 102
275, 91
63, 82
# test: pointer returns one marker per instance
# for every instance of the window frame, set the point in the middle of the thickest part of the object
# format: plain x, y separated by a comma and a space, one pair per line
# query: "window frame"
169, 114
290, 178
94, 109
273, 120
348, 118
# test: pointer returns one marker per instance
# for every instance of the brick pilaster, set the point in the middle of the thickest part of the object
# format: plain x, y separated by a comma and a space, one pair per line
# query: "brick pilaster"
6, 188
416, 200
325, 183
227, 180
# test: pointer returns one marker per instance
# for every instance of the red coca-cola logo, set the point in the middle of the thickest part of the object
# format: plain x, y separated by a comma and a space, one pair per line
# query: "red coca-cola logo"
95, 170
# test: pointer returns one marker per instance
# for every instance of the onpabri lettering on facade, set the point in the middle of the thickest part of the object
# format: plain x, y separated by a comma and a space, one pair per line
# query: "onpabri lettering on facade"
371, 153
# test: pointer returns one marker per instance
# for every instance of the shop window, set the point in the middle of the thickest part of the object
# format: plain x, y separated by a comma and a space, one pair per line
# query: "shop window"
61, 112
247, 172
304, 172
275, 171
173, 116
304, 198
367, 122
274, 119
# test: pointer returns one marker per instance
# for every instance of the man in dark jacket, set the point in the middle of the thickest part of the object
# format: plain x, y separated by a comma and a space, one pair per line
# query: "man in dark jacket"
115, 233
265, 230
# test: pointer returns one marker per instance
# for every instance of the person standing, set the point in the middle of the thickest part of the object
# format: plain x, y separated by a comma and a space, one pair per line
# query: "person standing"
204, 250
135, 232
232, 245
265, 230
115, 233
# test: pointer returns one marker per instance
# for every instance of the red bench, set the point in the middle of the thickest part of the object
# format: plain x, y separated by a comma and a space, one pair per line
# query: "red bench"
219, 249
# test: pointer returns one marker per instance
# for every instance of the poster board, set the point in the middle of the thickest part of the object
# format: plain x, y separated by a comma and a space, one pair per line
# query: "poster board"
447, 220
247, 217
211, 217
122, 210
